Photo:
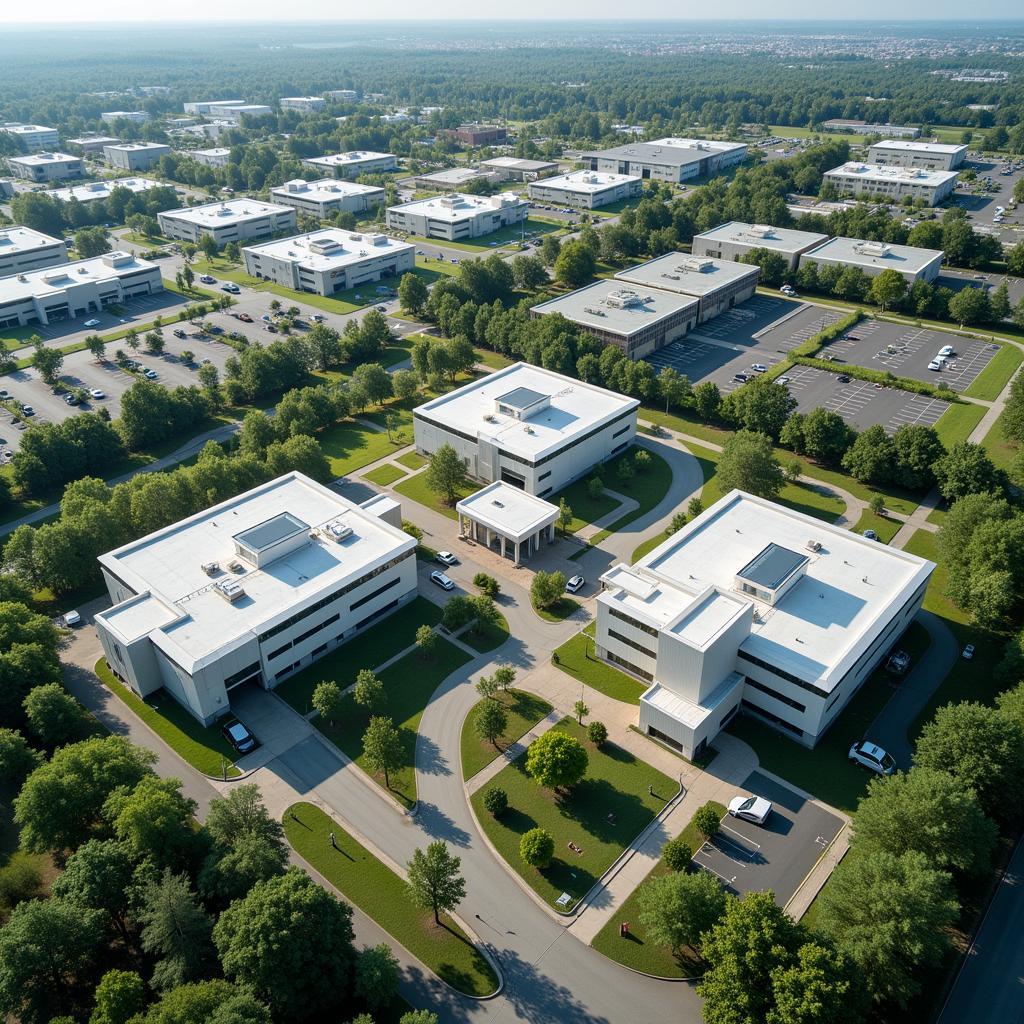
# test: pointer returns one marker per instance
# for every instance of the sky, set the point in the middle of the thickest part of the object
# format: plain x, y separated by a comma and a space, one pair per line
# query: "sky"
58, 12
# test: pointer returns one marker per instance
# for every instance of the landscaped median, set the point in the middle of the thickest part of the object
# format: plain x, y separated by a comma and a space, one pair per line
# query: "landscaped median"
381, 894
201, 746
600, 816
524, 710
634, 950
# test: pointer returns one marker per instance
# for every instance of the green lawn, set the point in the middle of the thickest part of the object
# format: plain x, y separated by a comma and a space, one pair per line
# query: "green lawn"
991, 381
488, 638
524, 711
409, 684
416, 488
648, 545
576, 657
957, 422
1001, 449
203, 747
412, 460
382, 895
492, 360
885, 527
385, 475
635, 951
585, 509
559, 611
350, 445
616, 784
368, 650
648, 488
825, 771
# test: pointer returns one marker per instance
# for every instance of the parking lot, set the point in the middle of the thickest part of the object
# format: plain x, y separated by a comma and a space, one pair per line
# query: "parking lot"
861, 403
776, 855
906, 351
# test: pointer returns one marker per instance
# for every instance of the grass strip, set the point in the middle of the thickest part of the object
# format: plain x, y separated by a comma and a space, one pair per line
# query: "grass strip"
524, 711
385, 475
576, 657
487, 637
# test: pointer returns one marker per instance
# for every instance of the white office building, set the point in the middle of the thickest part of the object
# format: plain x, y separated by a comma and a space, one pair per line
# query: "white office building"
894, 131
929, 156
135, 156
451, 179
753, 607
91, 144
36, 137
302, 104
892, 184
718, 285
330, 260
735, 239
507, 519
135, 116
234, 220
249, 592
529, 427
90, 191
586, 190
329, 195
243, 112
912, 262
639, 320
512, 168
352, 164
458, 216
46, 166
74, 290
341, 95
207, 108
670, 159
23, 250
216, 157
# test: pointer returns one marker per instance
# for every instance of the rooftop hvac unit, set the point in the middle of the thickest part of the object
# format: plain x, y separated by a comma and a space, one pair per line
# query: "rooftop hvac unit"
814, 545
338, 531
872, 248
210, 568
593, 311
230, 590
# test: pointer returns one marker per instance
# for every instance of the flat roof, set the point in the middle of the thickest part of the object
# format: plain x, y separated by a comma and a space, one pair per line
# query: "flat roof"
329, 248
914, 146
355, 156
685, 711
231, 211
135, 147
26, 129
509, 510
688, 275
587, 182
324, 189
101, 189
814, 630
877, 172
862, 253
93, 140
763, 236
772, 566
454, 175
169, 565
617, 307
20, 239
215, 151
574, 408
514, 163
458, 205
50, 280
36, 159
671, 151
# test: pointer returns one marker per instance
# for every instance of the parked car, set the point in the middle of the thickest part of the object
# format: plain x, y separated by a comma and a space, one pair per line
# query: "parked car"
96, 393
741, 377
574, 584
750, 808
935, 364
872, 757
782, 380
968, 652
318, 318
267, 318
759, 367
72, 618
71, 399
179, 333
446, 557
898, 662
441, 580
27, 410
871, 535
947, 351
245, 318
206, 279
229, 287
150, 374
843, 378
238, 736
91, 323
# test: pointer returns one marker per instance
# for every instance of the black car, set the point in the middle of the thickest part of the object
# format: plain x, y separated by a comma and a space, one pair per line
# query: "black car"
238, 736
843, 379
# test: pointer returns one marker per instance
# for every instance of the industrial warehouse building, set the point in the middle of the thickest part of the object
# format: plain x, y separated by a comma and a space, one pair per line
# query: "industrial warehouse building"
892, 184
637, 320
512, 168
249, 592
670, 159
329, 195
586, 190
895, 131
91, 144
91, 191
913, 263
718, 285
755, 607
46, 166
135, 116
352, 164
74, 290
451, 179
135, 156
235, 220
302, 104
329, 261
930, 156
735, 239
23, 250
457, 217
529, 427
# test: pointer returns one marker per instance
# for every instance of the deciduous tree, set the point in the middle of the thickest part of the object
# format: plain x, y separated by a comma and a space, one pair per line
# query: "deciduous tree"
435, 880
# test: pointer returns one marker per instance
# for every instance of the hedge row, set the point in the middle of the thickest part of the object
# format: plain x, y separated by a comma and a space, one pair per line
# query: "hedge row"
883, 377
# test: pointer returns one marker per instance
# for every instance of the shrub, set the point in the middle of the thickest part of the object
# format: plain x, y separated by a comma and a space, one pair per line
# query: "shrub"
537, 847
597, 733
707, 821
496, 801
677, 854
